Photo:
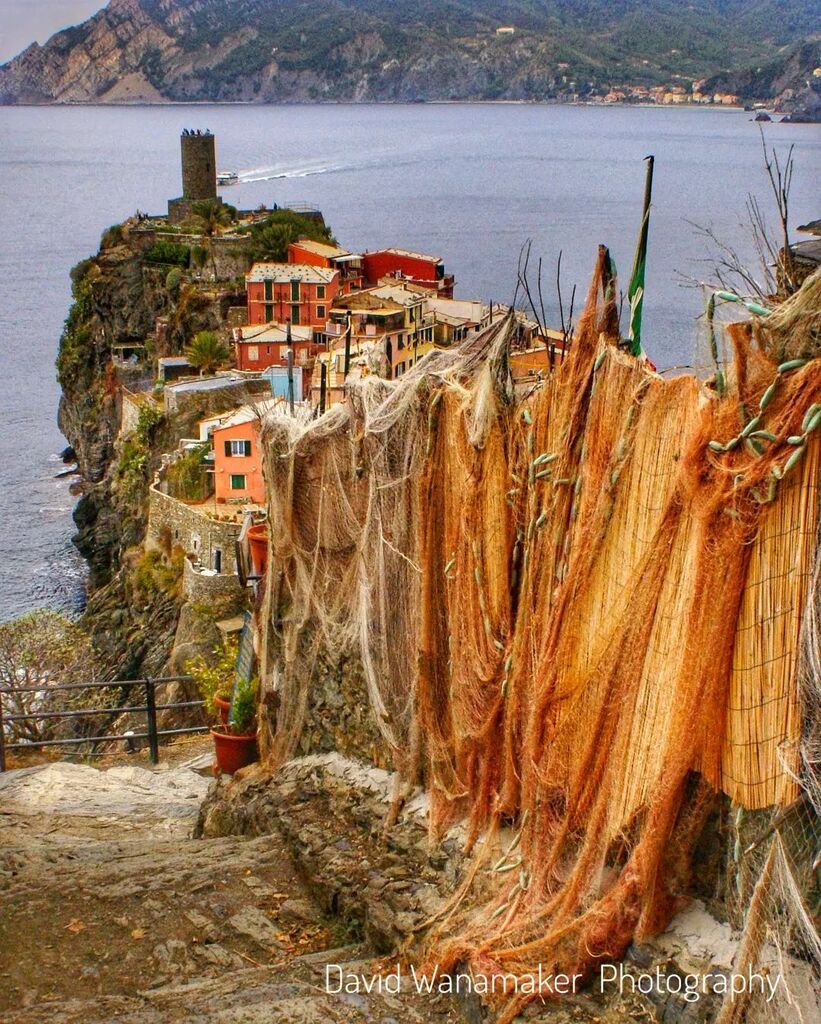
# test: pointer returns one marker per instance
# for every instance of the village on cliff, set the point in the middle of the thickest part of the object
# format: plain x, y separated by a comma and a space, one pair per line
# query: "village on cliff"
311, 323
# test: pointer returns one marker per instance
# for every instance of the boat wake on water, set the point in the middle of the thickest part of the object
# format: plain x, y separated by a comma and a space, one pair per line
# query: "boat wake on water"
272, 173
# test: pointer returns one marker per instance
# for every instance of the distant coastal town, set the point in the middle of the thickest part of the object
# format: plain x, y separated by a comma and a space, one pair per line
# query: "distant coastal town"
312, 317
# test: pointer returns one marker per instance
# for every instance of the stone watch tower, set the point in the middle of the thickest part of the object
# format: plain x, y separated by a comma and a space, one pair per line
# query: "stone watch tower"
199, 173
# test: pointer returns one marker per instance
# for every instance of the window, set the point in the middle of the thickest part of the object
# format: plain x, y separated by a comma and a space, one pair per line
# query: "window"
320, 312
320, 291
233, 449
269, 291
253, 353
217, 560
294, 291
295, 315
269, 314
237, 481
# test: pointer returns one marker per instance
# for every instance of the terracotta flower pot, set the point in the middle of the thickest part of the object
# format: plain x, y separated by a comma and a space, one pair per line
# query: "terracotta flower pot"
223, 706
258, 543
234, 752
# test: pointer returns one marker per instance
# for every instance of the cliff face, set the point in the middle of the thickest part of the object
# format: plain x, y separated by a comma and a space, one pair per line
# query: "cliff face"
118, 296
115, 302
372, 50
788, 84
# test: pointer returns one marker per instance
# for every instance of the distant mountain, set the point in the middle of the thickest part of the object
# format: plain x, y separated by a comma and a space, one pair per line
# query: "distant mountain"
398, 50
789, 84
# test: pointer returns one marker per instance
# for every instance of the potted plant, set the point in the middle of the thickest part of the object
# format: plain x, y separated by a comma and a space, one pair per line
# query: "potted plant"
222, 705
258, 543
235, 742
214, 677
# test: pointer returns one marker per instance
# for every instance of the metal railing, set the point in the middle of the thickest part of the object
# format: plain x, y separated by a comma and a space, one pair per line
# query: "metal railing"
150, 708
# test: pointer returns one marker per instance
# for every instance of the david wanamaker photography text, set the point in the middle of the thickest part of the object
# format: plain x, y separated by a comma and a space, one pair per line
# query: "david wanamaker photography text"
612, 977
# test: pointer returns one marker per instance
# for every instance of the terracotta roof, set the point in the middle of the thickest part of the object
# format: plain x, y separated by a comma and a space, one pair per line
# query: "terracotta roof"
411, 254
285, 272
371, 300
274, 333
249, 413
321, 248
400, 293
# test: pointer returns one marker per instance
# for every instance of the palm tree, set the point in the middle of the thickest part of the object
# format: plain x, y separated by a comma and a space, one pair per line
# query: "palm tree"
211, 216
207, 353
271, 241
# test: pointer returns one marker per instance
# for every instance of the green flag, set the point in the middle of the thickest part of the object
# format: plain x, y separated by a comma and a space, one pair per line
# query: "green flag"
635, 290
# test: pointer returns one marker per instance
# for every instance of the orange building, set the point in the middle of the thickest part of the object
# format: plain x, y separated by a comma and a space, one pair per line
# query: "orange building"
320, 254
295, 292
416, 268
238, 457
256, 348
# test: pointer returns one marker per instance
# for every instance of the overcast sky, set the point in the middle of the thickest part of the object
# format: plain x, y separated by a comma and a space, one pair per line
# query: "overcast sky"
26, 21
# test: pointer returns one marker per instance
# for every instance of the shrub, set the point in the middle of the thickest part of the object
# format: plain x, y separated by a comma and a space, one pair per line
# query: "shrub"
244, 707
135, 453
112, 236
76, 330
148, 419
155, 573
187, 478
79, 272
173, 279
215, 675
168, 252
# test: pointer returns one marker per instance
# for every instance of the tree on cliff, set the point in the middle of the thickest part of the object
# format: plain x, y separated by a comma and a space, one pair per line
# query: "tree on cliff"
38, 651
207, 353
271, 237
211, 216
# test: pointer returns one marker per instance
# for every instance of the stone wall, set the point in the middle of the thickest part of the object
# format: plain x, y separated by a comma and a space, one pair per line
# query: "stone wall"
129, 412
197, 587
230, 254
187, 408
231, 251
339, 716
188, 527
389, 887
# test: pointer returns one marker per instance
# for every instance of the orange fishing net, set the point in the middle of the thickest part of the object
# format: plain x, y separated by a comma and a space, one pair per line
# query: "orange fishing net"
578, 610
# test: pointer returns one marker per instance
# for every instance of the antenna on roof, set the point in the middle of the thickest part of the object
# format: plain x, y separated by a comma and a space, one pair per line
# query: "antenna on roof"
347, 344
289, 343
323, 385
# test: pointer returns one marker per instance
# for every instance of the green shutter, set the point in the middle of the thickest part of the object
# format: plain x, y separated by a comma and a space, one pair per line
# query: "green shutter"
228, 449
247, 447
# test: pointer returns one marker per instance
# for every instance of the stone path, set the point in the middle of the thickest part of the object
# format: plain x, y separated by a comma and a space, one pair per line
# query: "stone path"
109, 911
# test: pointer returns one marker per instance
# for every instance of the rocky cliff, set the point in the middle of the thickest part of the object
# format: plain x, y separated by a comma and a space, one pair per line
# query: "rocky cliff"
788, 84
378, 50
118, 296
